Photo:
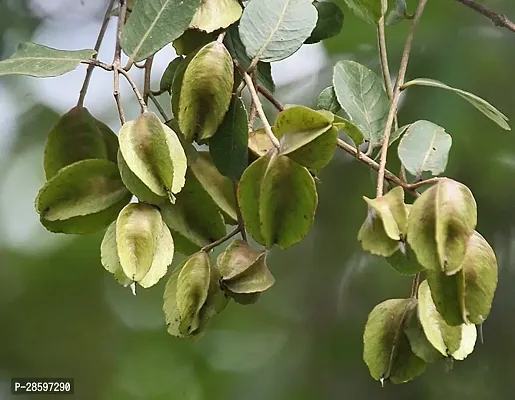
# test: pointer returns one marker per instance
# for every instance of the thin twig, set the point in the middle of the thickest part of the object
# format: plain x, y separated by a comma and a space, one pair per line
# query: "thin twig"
252, 116
396, 95
211, 246
158, 106
148, 76
117, 60
241, 223
259, 109
270, 97
91, 67
414, 286
497, 19
135, 89
383, 56
100, 64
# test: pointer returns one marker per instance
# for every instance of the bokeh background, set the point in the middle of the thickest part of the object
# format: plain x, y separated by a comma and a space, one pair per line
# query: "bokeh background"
62, 314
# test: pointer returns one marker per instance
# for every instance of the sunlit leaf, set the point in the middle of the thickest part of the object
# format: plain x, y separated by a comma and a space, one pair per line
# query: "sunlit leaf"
216, 14
109, 256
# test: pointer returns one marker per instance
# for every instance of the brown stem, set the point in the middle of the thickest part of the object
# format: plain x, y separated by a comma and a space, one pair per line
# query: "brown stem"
148, 76
135, 89
117, 60
241, 223
396, 95
270, 97
497, 19
91, 67
217, 243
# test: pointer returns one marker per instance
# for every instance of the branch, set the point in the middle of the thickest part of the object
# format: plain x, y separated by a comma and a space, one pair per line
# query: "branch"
383, 56
91, 67
211, 246
241, 223
497, 19
396, 95
117, 60
148, 75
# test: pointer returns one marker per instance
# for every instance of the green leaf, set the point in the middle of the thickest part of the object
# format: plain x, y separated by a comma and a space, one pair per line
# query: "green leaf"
398, 14
327, 100
287, 203
396, 134
419, 344
236, 258
83, 188
249, 191
255, 279
272, 30
109, 256
361, 94
166, 81
41, 61
482, 105
369, 10
386, 223
229, 147
194, 219
154, 154
192, 40
480, 273
192, 291
216, 14
206, 92
138, 229
172, 315
237, 50
78, 136
404, 261
329, 23
352, 131
440, 224
177, 85
456, 341
155, 23
448, 294
259, 142
220, 188
386, 349
136, 186
424, 147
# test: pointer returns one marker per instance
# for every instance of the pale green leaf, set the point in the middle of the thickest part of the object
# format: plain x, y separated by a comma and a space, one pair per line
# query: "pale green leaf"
41, 61
236, 258
153, 24
327, 100
272, 30
163, 257
482, 105
425, 147
361, 94
216, 14
109, 256
256, 278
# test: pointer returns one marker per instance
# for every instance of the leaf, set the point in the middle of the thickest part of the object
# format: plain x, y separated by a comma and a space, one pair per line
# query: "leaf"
41, 61
172, 316
457, 341
206, 92
194, 219
249, 191
352, 131
154, 154
220, 188
361, 94
272, 30
153, 24
229, 147
482, 105
237, 50
255, 279
327, 100
398, 14
386, 349
404, 261
369, 10
192, 40
329, 23
165, 84
163, 257
259, 142
395, 135
448, 294
385, 226
480, 274
425, 147
192, 291
138, 230
78, 136
216, 14
236, 258
419, 344
83, 188
287, 203
440, 224
109, 256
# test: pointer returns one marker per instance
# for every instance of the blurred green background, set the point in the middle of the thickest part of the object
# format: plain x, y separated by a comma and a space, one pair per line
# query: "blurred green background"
62, 314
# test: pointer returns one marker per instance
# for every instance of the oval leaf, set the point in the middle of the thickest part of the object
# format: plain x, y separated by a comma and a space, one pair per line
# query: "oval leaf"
448, 294
255, 279
216, 14
424, 147
229, 147
236, 258
369, 10
206, 92
272, 30
153, 24
361, 94
41, 61
329, 23
327, 100
165, 84
109, 256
